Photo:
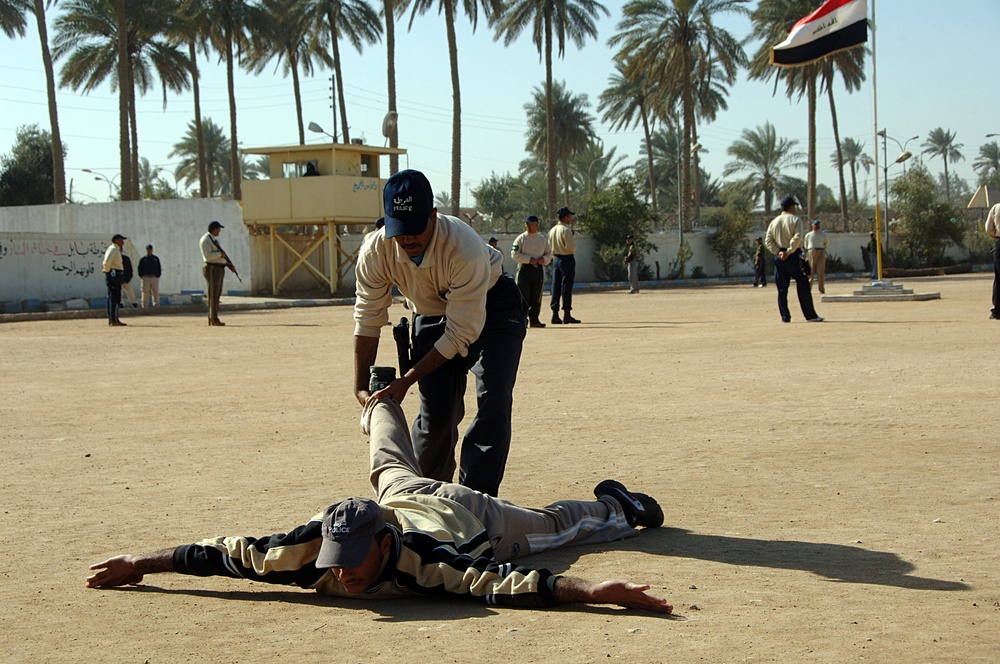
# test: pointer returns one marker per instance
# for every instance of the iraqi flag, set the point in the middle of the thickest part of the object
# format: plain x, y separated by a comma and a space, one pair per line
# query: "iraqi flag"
836, 26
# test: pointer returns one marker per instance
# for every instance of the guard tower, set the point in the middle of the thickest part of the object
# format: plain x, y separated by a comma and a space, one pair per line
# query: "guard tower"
321, 187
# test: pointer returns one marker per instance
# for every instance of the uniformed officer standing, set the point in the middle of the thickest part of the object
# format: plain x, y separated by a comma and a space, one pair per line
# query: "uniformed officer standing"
532, 253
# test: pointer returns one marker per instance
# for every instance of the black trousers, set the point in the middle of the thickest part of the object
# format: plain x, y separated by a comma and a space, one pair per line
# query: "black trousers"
784, 272
114, 284
493, 359
563, 276
530, 279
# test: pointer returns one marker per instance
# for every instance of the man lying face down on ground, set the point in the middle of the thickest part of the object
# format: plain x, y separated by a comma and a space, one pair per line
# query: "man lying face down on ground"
422, 537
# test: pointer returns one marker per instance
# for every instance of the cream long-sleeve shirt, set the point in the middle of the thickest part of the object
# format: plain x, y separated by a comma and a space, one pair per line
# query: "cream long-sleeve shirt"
211, 252
993, 222
527, 246
784, 232
561, 239
112, 259
816, 240
456, 272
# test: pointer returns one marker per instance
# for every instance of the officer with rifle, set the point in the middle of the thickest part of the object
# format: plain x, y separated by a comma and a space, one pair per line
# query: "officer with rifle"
216, 263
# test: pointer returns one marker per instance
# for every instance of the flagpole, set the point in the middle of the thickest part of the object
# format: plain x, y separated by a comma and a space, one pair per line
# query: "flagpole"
878, 208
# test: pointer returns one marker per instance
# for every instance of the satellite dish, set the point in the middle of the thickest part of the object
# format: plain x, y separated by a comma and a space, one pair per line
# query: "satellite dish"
389, 123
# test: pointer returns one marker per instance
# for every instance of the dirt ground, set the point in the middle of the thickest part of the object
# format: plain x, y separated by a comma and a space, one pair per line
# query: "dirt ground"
830, 490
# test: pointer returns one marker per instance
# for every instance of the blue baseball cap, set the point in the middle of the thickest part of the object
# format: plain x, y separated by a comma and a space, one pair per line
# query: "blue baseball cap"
787, 202
348, 530
564, 212
408, 201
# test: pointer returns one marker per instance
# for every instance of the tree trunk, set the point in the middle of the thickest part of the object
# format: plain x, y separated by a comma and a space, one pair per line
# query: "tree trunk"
854, 182
298, 99
649, 159
390, 45
947, 182
335, 43
135, 136
696, 187
565, 177
456, 111
235, 173
840, 154
687, 103
203, 181
125, 159
58, 165
550, 124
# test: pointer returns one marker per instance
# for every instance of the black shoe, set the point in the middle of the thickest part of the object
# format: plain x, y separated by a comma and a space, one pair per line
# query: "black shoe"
994, 317
569, 319
640, 509
536, 323
555, 319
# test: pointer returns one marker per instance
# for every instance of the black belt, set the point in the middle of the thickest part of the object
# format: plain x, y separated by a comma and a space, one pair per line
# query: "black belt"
814, 250
563, 255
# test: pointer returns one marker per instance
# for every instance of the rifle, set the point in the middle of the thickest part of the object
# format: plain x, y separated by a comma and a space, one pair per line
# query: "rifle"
229, 263
401, 335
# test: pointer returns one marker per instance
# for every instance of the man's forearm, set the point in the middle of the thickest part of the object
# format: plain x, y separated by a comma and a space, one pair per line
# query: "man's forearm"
129, 570
365, 352
571, 590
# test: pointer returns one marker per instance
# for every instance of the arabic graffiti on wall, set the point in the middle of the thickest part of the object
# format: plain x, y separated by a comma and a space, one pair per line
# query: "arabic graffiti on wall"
58, 268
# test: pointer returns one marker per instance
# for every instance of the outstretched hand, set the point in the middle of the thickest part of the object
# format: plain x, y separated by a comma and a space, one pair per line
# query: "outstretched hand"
630, 595
117, 571
572, 590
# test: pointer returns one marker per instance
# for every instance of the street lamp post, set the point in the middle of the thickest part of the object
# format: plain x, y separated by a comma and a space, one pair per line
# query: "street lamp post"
111, 183
901, 159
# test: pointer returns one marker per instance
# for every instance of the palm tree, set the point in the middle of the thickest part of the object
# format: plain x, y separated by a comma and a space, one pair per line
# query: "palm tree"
227, 33
388, 12
852, 153
850, 65
217, 157
763, 157
591, 169
491, 9
625, 103
353, 20
89, 36
12, 17
279, 29
570, 123
442, 200
190, 26
662, 153
672, 41
710, 98
941, 143
987, 164
13, 23
550, 20
772, 20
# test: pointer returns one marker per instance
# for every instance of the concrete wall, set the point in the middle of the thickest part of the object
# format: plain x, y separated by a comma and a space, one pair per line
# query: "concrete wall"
47, 252
173, 227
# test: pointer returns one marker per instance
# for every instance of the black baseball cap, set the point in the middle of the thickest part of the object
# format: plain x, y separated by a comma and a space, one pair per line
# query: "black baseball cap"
629, 237
408, 201
149, 246
212, 226
118, 236
531, 219
348, 530
564, 212
787, 202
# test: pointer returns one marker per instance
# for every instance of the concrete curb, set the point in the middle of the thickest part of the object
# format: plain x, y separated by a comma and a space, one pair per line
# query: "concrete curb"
226, 305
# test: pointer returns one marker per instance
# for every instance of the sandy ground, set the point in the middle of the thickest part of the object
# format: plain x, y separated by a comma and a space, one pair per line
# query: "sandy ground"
830, 490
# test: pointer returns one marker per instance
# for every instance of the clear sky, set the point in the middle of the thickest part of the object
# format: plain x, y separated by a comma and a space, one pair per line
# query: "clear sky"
936, 68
